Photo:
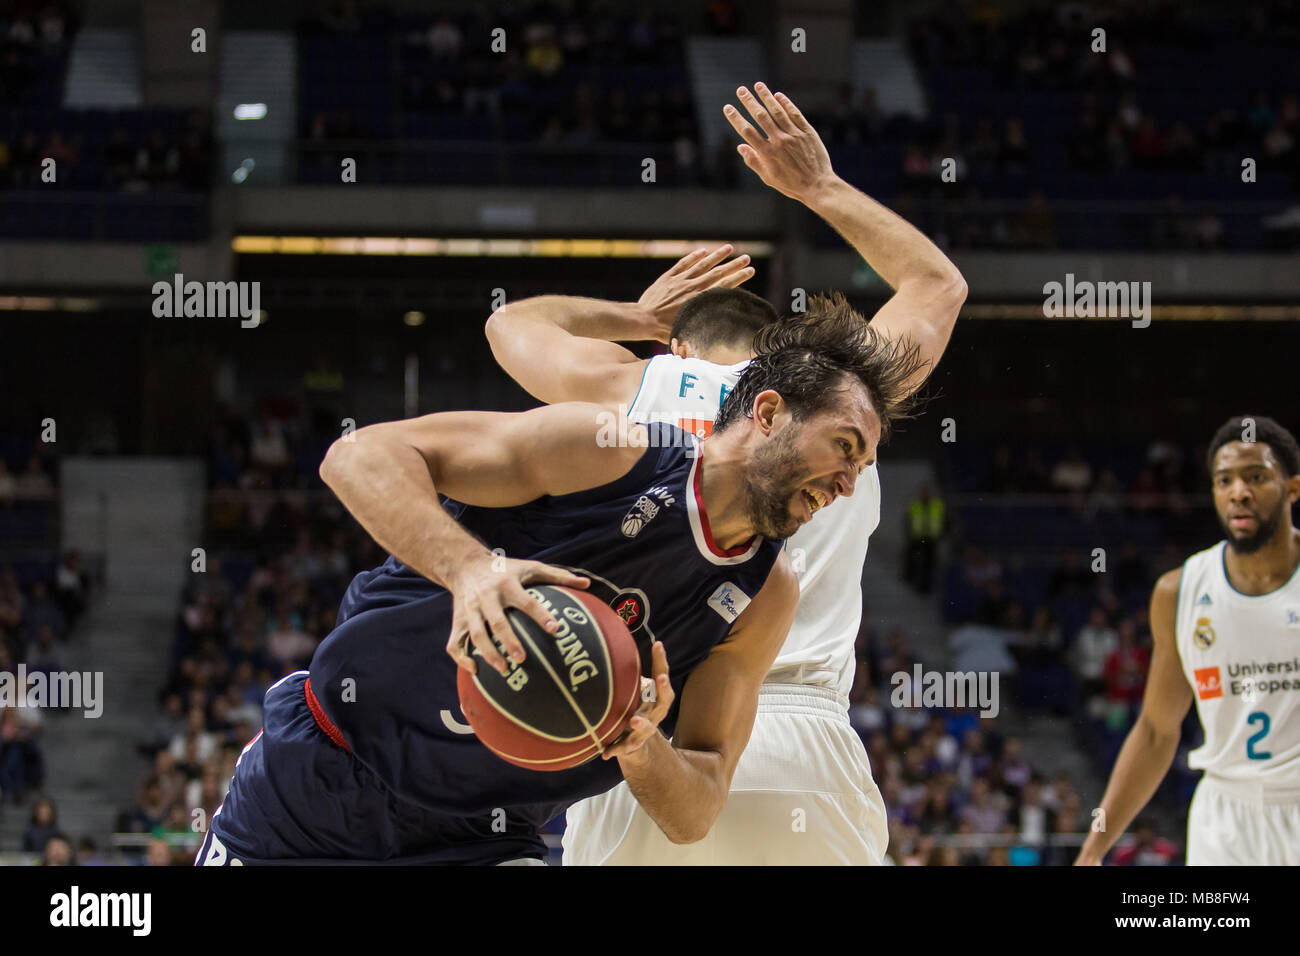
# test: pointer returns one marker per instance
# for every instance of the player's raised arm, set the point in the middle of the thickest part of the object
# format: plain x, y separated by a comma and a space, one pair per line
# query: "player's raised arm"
1149, 749
683, 785
389, 477
788, 155
562, 348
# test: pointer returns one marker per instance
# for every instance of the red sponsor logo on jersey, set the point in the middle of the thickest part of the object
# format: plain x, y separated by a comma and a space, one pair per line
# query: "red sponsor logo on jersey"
699, 427
1208, 683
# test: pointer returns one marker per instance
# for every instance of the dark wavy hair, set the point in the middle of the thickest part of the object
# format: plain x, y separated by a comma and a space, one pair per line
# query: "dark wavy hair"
1267, 431
807, 359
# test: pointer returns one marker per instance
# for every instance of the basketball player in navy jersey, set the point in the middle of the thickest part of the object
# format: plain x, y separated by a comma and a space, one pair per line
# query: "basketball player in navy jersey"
365, 757
803, 758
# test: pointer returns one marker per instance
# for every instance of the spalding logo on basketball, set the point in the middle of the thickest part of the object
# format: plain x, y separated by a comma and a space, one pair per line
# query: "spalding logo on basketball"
575, 692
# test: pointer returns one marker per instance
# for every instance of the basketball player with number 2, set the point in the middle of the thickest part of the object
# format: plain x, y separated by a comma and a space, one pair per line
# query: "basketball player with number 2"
1226, 630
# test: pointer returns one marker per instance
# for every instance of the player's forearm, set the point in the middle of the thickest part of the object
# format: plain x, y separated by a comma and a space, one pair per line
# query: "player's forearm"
385, 484
1143, 762
893, 247
682, 790
528, 319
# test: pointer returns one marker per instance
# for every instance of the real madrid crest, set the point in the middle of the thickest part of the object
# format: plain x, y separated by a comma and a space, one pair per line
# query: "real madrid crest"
1203, 636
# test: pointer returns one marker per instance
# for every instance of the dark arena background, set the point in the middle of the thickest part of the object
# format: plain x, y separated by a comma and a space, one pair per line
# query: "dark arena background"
377, 179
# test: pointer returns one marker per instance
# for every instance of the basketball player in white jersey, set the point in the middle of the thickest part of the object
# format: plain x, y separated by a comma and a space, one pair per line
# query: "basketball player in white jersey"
1226, 631
803, 792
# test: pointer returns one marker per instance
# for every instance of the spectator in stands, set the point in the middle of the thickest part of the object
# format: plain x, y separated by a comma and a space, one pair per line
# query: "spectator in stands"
158, 853
167, 725
1036, 227
1148, 146
58, 852
918, 167
171, 781
1014, 156
289, 647
12, 604
42, 654
88, 853
64, 154
1182, 152
1032, 818
22, 764
42, 612
445, 39
1072, 474
71, 585
925, 529
119, 158
195, 745
157, 162
269, 449
1106, 497
1125, 670
987, 810
1092, 646
150, 809
1013, 768
34, 484
1147, 848
42, 827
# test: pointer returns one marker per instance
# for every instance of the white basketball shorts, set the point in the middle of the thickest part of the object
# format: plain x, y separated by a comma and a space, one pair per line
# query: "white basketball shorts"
1233, 823
802, 795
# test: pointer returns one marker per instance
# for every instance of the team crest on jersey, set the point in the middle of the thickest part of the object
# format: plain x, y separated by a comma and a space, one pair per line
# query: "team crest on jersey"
1209, 684
629, 608
1203, 636
644, 510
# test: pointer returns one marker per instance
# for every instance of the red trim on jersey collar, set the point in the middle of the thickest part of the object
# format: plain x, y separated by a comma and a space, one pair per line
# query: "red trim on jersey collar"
322, 719
704, 517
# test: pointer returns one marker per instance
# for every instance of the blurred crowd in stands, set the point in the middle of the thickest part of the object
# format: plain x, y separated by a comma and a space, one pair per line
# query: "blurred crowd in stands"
279, 553
32, 33
41, 600
957, 790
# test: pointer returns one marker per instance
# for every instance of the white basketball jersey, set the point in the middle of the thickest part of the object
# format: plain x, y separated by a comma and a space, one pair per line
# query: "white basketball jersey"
826, 553
1241, 656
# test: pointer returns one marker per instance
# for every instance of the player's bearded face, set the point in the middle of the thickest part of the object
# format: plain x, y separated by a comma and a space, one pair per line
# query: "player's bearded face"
775, 475
1266, 525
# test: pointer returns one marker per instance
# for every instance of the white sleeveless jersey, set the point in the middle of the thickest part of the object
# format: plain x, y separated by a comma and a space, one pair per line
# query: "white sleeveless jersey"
826, 553
1241, 656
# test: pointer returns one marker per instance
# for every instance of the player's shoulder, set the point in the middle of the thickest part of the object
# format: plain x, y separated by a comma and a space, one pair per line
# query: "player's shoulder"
1164, 599
1167, 584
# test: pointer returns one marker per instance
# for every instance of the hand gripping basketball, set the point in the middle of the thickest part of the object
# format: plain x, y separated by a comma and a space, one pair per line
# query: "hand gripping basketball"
656, 700
482, 590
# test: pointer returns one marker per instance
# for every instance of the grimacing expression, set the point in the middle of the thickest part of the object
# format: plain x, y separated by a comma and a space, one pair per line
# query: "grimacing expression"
1250, 494
805, 465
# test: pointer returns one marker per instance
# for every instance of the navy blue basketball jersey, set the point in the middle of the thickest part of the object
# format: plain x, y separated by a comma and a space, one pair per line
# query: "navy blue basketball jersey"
381, 689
